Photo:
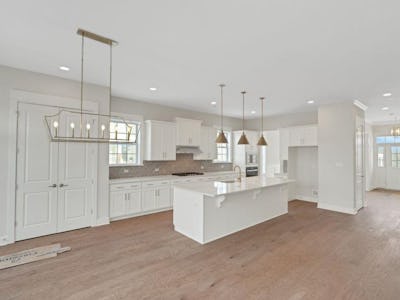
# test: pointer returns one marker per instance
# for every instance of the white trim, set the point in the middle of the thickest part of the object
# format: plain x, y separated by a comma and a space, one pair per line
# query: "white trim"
360, 105
4, 240
19, 96
336, 208
139, 214
306, 198
102, 221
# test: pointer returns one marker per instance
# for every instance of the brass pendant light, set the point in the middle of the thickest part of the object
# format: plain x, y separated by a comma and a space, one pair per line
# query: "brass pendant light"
243, 139
395, 130
221, 139
262, 141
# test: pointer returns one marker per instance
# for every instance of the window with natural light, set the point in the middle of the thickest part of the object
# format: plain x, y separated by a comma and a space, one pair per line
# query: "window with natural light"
224, 150
124, 153
381, 157
395, 150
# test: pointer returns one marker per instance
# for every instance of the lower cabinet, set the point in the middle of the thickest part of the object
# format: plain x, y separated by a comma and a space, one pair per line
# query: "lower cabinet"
140, 198
125, 203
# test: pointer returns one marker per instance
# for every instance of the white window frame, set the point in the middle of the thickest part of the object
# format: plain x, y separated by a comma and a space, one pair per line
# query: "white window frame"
134, 119
230, 146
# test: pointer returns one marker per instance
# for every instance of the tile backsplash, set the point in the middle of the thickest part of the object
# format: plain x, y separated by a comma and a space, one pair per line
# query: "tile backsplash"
183, 163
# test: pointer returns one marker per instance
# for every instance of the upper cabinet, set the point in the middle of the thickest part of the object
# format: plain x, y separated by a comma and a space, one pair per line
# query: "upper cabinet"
208, 146
188, 132
303, 136
160, 140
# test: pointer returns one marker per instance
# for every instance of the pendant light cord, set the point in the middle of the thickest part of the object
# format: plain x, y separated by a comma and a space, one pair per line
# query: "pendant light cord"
222, 107
109, 108
243, 93
82, 59
262, 115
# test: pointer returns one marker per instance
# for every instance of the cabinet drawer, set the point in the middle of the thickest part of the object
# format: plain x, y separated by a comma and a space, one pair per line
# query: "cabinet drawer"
153, 184
125, 186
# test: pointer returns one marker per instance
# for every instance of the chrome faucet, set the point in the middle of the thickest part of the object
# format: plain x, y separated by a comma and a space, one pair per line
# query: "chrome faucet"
239, 178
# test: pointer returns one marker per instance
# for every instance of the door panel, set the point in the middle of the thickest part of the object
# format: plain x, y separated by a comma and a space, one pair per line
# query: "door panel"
148, 200
117, 204
164, 198
133, 203
36, 198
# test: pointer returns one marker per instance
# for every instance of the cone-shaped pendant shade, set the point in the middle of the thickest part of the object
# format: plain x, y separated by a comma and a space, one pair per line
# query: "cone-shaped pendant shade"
243, 140
262, 141
221, 138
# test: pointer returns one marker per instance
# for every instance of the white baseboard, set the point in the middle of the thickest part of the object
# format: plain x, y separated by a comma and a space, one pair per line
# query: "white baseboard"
4, 240
140, 214
306, 198
336, 208
102, 221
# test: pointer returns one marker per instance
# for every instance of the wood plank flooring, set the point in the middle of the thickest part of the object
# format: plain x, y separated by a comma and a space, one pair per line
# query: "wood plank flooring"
306, 254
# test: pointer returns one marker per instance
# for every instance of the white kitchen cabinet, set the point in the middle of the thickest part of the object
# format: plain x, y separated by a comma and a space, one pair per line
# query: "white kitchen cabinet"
160, 141
284, 143
188, 132
303, 136
156, 195
125, 199
117, 204
149, 199
208, 146
163, 198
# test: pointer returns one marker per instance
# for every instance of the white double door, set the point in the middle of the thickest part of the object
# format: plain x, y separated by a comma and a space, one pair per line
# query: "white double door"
55, 181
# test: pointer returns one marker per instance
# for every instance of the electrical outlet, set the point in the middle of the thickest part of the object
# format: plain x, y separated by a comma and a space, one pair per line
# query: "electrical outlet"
202, 167
222, 166
157, 170
126, 171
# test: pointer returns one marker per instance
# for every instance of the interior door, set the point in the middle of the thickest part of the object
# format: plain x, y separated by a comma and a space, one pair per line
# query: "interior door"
36, 190
75, 177
393, 166
360, 179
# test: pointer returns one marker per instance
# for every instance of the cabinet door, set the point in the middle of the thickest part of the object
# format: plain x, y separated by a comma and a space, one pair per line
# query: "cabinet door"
117, 204
188, 132
204, 145
148, 199
157, 148
133, 202
169, 143
163, 199
296, 136
284, 143
212, 146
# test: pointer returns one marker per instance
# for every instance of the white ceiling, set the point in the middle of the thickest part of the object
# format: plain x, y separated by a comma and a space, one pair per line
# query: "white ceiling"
288, 51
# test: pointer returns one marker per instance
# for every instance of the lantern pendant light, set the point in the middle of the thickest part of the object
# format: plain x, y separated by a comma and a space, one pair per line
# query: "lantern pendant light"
395, 130
221, 139
243, 139
262, 141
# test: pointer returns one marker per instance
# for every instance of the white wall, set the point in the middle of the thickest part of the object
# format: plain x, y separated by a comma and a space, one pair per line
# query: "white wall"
303, 166
336, 156
164, 113
282, 121
369, 157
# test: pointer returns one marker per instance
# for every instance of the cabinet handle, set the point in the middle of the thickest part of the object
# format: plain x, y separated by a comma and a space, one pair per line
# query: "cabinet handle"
53, 185
62, 185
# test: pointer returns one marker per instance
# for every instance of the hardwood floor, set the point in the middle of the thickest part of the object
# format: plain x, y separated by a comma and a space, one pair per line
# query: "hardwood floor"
306, 254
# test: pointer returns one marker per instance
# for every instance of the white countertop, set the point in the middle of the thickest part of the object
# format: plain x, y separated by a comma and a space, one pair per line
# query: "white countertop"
217, 188
166, 177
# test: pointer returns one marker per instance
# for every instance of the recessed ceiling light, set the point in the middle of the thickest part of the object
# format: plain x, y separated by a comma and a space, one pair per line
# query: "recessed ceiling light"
64, 68
153, 89
387, 94
310, 102
253, 112
385, 108
213, 103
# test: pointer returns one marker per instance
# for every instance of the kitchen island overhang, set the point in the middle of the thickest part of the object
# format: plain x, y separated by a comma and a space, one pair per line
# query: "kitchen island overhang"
206, 211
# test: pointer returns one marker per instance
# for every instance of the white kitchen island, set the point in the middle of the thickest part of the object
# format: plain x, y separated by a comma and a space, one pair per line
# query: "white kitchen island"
206, 211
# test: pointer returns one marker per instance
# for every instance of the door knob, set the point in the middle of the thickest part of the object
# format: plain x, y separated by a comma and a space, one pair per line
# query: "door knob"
53, 185
62, 184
